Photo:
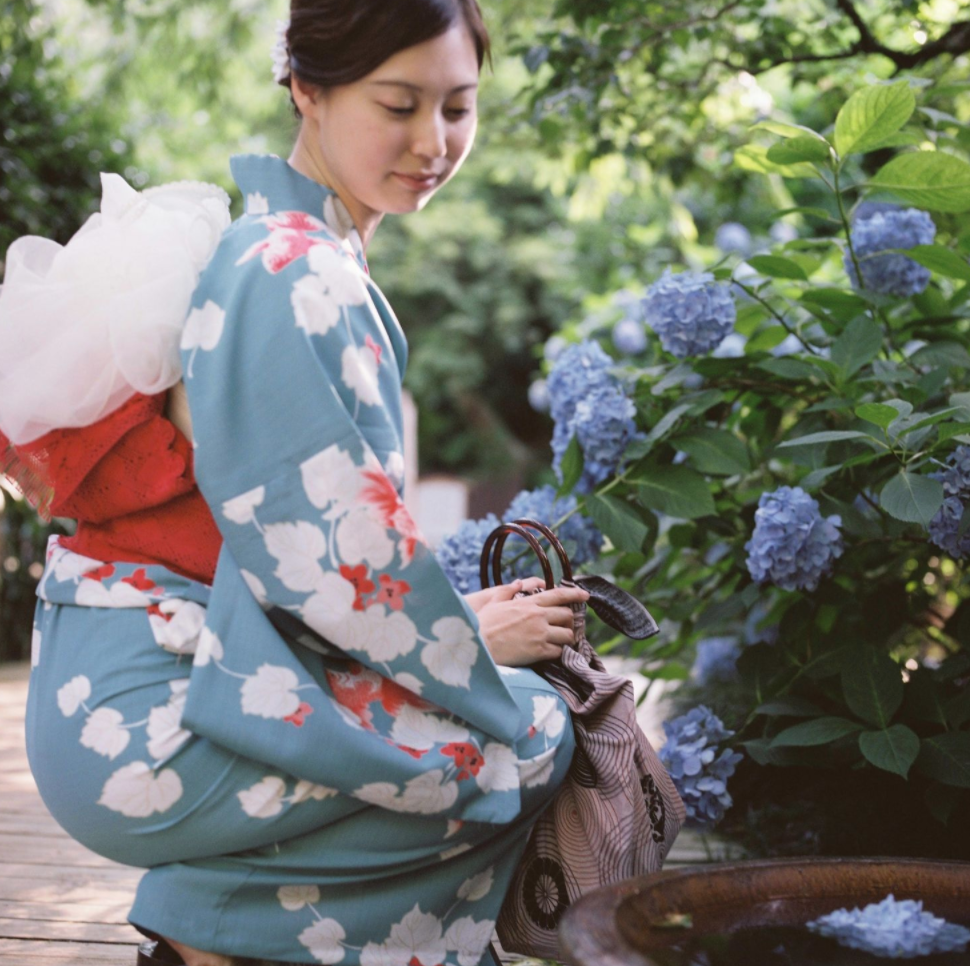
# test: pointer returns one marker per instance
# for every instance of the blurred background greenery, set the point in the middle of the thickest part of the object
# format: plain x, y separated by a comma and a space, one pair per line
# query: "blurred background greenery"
606, 153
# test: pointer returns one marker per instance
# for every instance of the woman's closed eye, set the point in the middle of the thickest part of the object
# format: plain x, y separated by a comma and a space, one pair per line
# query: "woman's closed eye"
454, 113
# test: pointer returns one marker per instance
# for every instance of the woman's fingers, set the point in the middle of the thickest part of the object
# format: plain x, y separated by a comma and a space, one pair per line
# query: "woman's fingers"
532, 584
561, 595
560, 636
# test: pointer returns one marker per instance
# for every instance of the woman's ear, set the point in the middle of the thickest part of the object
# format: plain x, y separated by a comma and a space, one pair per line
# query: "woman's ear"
305, 96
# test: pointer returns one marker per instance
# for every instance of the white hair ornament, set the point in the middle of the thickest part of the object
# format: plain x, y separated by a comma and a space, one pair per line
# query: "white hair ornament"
281, 52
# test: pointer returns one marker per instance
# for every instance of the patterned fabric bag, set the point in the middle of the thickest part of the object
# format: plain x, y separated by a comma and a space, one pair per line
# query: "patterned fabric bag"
618, 813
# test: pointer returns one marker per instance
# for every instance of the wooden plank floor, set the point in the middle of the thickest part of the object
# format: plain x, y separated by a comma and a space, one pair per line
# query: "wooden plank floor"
61, 905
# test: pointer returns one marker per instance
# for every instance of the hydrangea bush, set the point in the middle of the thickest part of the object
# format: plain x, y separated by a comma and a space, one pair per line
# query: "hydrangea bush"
812, 477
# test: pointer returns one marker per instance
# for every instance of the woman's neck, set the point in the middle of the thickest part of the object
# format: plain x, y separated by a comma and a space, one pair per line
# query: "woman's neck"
306, 159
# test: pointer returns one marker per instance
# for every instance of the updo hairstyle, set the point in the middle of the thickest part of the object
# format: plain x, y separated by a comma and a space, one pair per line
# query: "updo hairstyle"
333, 42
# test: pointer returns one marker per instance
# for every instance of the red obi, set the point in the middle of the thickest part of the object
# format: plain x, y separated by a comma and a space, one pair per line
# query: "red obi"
128, 481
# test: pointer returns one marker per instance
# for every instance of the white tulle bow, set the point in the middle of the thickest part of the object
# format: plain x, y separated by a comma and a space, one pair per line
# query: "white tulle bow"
86, 325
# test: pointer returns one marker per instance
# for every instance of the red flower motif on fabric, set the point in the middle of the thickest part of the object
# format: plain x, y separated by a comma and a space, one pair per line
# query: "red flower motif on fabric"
155, 611
288, 240
381, 494
139, 580
300, 715
413, 752
392, 592
100, 573
532, 731
359, 576
374, 347
467, 757
359, 687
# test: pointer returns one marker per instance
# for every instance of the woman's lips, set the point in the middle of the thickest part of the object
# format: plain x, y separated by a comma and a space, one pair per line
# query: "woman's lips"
418, 183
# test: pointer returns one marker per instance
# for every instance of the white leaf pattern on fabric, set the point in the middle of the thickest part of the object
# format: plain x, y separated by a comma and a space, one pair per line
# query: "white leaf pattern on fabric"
71, 695
409, 682
418, 936
424, 794
500, 773
340, 273
177, 628
93, 593
477, 887
331, 477
394, 467
421, 731
257, 204
361, 537
547, 716
469, 939
165, 732
358, 370
35, 640
455, 850
323, 940
330, 611
298, 547
381, 636
203, 327
137, 792
315, 310
242, 509
294, 898
256, 587
264, 799
453, 827
269, 692
67, 565
451, 657
537, 771
208, 648
103, 733
305, 790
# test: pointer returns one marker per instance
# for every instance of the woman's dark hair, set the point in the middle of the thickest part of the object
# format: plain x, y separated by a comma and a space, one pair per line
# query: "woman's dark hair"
334, 42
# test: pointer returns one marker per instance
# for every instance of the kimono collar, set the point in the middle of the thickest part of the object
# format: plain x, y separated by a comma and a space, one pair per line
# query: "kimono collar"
269, 185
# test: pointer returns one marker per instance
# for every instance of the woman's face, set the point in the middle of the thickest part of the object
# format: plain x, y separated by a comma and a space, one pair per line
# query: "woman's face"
390, 140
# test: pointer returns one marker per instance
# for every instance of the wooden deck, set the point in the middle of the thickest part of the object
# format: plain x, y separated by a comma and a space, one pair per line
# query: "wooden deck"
61, 905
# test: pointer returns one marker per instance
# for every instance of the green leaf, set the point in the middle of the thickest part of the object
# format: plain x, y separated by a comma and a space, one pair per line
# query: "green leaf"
858, 344
957, 709
892, 749
754, 157
820, 731
799, 149
924, 699
872, 115
962, 401
618, 520
844, 305
947, 354
766, 339
668, 671
921, 422
946, 758
952, 429
785, 130
777, 266
939, 259
872, 685
792, 706
571, 466
930, 179
941, 800
677, 491
715, 451
817, 477
876, 413
830, 436
911, 497
788, 368
668, 421
808, 210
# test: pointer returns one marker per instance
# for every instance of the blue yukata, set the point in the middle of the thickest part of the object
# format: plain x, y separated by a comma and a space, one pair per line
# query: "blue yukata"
315, 758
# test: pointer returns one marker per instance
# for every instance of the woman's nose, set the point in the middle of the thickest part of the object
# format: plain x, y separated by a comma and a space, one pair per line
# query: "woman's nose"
430, 139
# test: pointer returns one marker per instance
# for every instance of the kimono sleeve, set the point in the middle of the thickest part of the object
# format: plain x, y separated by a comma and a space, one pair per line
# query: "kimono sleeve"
293, 394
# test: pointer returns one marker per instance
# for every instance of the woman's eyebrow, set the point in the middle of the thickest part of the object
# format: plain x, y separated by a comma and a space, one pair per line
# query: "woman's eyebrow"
418, 88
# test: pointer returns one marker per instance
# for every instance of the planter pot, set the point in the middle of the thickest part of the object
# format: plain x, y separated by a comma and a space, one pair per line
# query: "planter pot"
617, 925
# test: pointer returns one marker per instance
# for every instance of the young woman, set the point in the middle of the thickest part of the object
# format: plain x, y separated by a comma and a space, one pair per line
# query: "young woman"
250, 675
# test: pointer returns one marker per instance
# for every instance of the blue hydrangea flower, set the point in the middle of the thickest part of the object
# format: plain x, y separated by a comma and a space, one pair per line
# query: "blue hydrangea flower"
699, 774
896, 929
555, 346
732, 236
716, 660
629, 337
539, 396
792, 546
944, 528
690, 312
890, 273
460, 554
581, 539
588, 401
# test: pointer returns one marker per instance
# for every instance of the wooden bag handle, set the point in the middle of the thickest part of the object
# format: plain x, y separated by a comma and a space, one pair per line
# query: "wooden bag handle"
496, 539
567, 569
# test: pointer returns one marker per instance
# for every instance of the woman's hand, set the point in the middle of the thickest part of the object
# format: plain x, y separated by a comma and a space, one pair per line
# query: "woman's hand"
480, 598
529, 629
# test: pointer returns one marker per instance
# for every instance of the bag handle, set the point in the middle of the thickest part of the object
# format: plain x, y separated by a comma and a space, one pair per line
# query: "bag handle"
567, 567
497, 540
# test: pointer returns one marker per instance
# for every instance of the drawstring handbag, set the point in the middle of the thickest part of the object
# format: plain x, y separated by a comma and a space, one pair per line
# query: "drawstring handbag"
617, 813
